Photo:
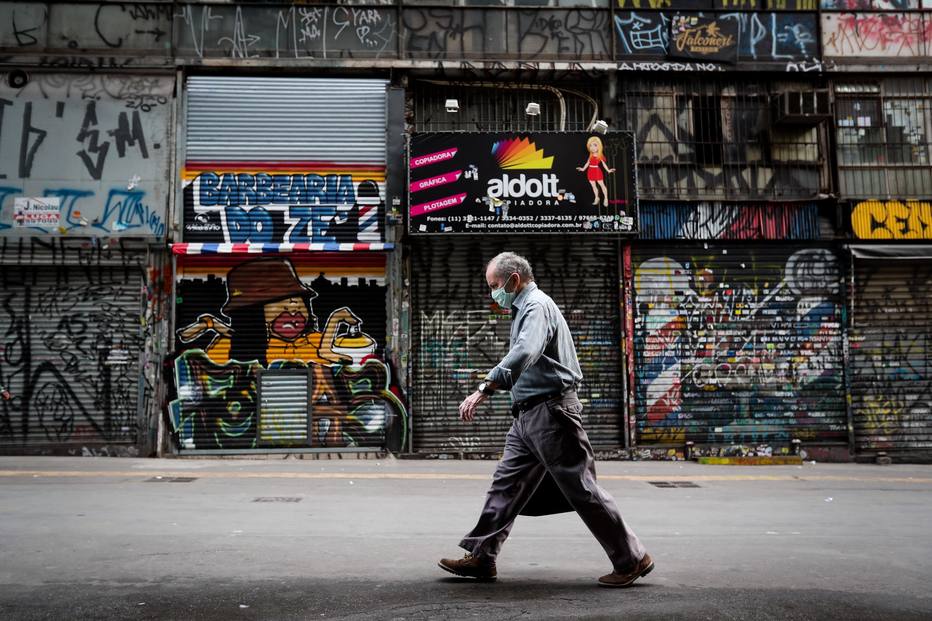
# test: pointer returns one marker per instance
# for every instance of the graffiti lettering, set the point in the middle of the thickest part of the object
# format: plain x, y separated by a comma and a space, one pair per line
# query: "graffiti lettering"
352, 401
262, 189
892, 220
295, 31
875, 34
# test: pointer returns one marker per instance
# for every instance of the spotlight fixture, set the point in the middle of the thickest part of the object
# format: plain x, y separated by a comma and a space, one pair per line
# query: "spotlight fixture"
533, 109
600, 127
452, 105
17, 78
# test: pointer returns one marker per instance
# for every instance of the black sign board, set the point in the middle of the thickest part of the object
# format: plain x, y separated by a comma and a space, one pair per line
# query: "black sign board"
567, 182
701, 37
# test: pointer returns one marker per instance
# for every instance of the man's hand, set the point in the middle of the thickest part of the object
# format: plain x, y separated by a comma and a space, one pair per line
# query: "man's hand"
469, 405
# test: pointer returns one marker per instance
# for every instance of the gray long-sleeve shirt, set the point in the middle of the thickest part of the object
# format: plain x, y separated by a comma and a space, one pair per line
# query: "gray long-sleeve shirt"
542, 358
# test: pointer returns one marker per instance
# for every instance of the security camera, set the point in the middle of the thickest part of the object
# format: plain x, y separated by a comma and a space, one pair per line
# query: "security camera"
533, 109
452, 105
600, 127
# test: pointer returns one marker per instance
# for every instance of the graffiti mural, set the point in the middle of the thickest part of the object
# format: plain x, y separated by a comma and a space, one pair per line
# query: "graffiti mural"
891, 356
322, 312
70, 349
729, 221
84, 155
735, 346
892, 220
337, 204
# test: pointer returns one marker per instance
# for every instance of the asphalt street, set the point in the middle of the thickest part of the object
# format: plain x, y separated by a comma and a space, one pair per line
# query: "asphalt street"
104, 538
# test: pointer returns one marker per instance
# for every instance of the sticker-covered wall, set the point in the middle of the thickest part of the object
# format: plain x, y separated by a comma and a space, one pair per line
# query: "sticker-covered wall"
237, 316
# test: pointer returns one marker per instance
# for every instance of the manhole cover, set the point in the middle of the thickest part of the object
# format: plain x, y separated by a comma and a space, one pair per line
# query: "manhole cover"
171, 479
673, 484
277, 499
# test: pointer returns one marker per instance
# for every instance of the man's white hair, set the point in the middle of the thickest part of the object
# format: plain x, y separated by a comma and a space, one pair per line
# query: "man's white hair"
506, 263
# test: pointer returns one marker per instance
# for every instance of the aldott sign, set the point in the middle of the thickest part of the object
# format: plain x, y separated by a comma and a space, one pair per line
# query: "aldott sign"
564, 182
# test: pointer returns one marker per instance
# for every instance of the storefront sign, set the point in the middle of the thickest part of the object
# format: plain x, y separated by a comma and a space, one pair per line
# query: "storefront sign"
703, 38
44, 212
284, 207
532, 183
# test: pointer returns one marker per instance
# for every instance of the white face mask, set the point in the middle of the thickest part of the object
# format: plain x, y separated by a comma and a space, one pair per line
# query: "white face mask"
504, 298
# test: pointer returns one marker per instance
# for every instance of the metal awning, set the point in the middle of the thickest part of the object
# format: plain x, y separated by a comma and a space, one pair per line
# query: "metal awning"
202, 248
914, 252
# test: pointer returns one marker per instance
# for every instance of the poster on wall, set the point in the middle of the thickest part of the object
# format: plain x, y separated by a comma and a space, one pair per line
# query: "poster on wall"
566, 182
44, 212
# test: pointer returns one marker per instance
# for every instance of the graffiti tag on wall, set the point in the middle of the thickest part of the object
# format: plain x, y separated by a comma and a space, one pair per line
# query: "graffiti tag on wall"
892, 220
890, 35
95, 145
891, 348
738, 349
239, 316
69, 356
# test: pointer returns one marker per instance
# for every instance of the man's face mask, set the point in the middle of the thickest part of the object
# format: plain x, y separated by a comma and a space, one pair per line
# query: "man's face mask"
504, 298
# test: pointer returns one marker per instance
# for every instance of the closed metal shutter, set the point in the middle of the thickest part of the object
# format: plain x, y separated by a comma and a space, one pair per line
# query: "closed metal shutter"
891, 356
738, 345
219, 379
70, 340
459, 334
260, 119
284, 407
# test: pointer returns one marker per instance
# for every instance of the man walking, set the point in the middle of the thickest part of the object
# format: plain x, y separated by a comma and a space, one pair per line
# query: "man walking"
546, 442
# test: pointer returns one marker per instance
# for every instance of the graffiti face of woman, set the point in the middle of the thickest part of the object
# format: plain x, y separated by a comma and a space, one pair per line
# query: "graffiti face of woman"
287, 319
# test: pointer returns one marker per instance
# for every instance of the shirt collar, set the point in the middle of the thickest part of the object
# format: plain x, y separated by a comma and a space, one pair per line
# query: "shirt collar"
520, 301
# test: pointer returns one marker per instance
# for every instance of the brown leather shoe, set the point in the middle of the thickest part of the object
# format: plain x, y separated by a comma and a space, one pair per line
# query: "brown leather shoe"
470, 567
627, 578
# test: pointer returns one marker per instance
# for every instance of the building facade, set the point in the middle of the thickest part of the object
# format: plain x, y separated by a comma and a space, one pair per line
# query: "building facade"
210, 241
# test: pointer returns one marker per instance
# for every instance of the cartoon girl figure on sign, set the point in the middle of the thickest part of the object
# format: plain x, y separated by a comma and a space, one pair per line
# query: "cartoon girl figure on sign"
593, 169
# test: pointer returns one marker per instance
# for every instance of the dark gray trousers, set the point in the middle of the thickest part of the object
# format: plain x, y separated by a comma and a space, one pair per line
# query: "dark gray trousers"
550, 438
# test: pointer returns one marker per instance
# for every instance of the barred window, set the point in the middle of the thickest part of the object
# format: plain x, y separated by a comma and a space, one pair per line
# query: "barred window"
713, 140
882, 130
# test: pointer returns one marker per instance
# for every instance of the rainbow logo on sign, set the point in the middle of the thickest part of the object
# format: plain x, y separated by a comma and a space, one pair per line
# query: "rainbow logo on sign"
520, 153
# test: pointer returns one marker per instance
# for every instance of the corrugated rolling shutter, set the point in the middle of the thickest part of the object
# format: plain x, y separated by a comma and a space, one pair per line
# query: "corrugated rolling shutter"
259, 119
71, 340
891, 355
284, 407
459, 334
242, 317
738, 345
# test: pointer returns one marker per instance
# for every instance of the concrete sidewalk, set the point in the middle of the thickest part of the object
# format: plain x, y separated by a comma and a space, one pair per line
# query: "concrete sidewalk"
359, 539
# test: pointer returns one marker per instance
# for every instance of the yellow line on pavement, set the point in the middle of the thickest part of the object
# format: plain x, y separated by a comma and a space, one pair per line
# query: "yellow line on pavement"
434, 476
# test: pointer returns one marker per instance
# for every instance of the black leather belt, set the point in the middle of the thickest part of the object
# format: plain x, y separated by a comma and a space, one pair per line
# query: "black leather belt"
521, 407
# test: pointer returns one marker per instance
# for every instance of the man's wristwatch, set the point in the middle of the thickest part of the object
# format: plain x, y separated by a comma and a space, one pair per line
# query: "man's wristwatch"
486, 389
